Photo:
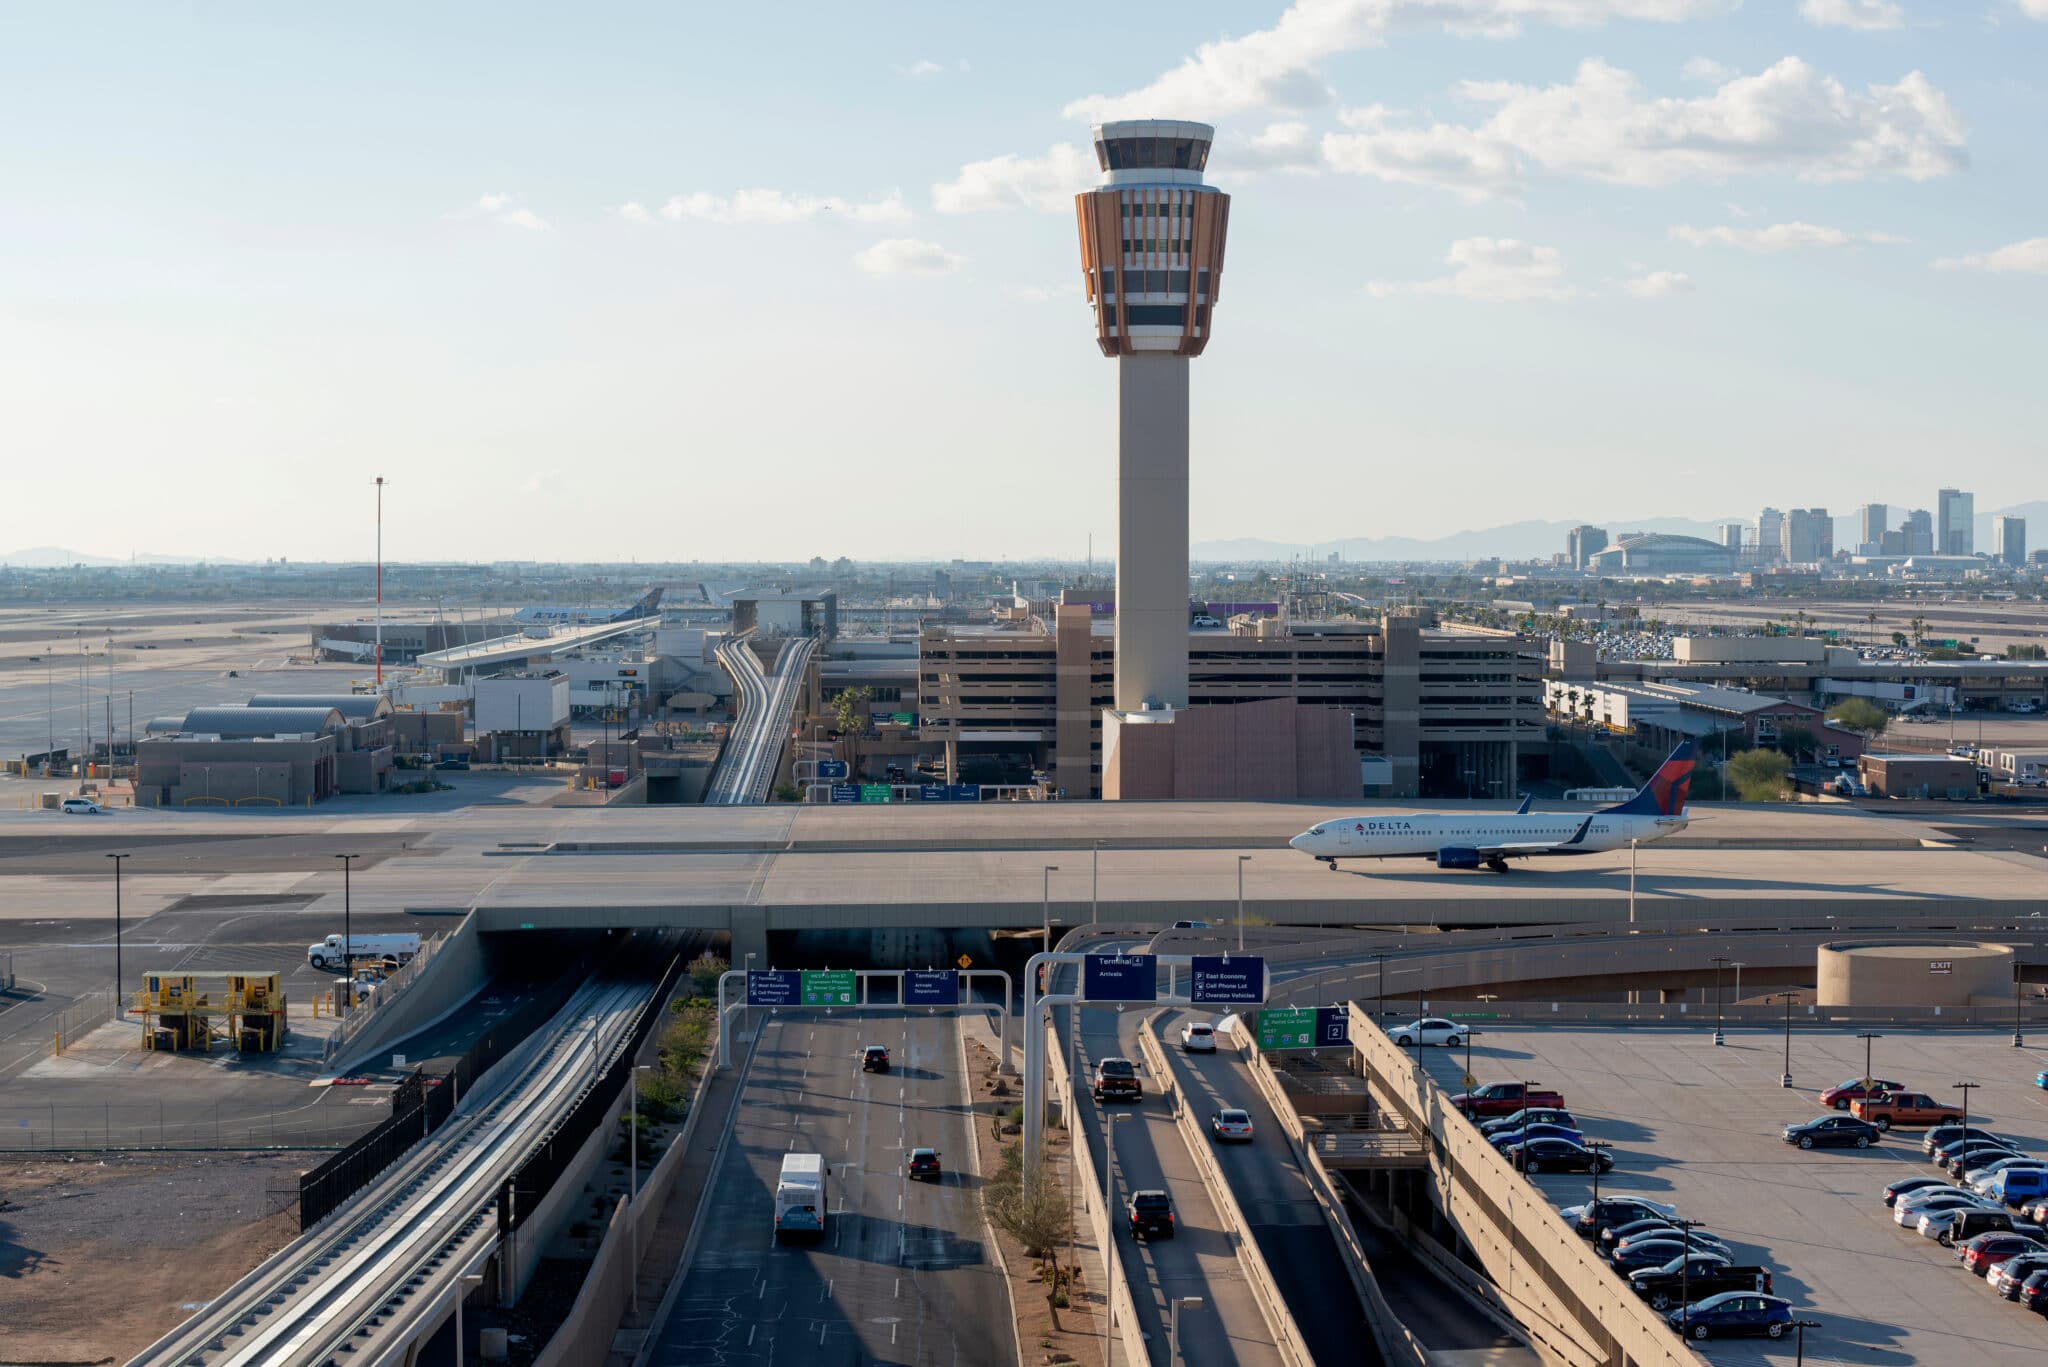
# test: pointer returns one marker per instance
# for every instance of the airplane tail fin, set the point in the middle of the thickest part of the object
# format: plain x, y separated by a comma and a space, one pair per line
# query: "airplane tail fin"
1667, 790
647, 606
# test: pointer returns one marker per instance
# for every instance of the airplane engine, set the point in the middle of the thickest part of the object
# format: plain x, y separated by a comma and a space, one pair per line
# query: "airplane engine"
1457, 857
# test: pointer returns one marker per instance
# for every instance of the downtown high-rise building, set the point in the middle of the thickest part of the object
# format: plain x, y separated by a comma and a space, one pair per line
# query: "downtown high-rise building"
1955, 518
1731, 536
1583, 543
2009, 540
1873, 520
1809, 536
1917, 533
1770, 536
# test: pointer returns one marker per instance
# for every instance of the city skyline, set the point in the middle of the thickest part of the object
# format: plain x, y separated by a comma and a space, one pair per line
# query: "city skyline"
551, 277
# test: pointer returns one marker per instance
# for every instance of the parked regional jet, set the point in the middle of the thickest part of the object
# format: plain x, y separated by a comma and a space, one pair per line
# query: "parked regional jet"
1468, 840
648, 605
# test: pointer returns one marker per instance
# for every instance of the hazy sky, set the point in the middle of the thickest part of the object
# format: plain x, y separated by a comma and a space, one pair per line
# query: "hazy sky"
692, 280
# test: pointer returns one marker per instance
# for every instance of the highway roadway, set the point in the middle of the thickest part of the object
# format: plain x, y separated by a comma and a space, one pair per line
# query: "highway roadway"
904, 1273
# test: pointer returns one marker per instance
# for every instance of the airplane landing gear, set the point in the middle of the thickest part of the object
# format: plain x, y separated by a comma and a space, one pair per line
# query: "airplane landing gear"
1497, 865
1331, 864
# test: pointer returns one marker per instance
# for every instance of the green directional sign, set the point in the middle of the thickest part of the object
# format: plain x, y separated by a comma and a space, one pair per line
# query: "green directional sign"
1287, 1028
874, 792
829, 987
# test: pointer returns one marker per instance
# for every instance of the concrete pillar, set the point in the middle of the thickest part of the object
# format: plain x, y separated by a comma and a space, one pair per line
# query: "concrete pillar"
749, 936
1152, 531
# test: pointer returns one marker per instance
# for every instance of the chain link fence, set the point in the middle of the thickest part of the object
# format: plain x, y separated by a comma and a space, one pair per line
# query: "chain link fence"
31, 1127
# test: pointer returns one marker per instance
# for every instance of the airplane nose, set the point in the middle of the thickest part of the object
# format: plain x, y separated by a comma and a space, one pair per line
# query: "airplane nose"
1295, 843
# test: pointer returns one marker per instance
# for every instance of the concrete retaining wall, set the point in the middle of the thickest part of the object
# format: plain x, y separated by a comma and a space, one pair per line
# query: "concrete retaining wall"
1122, 1308
456, 972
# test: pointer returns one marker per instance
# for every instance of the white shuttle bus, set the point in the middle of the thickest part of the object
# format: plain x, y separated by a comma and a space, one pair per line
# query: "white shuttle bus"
800, 1195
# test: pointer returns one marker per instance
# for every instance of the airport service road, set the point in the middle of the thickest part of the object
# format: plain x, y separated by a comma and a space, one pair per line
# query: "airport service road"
1276, 1201
1199, 1259
903, 1273
1701, 1126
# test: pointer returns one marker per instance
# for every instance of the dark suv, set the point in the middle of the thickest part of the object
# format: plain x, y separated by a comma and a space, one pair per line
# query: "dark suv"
875, 1059
1151, 1214
923, 1163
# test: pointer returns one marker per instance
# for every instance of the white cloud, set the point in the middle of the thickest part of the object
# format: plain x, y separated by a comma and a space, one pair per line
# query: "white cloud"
1280, 147
778, 206
505, 209
921, 67
1660, 284
1776, 238
1789, 119
1048, 183
1491, 270
1866, 16
907, 256
636, 212
1708, 71
2030, 256
2034, 9
1276, 68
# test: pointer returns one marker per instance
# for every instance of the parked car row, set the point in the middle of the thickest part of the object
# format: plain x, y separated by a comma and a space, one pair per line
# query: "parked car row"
1681, 1268
1989, 1203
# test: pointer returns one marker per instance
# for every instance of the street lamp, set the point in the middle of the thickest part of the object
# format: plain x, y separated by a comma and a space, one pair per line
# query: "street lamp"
1173, 1326
1469, 1033
1686, 1228
1379, 997
348, 943
1966, 1088
1598, 1146
1095, 884
120, 1010
1240, 907
1867, 1036
469, 1281
1045, 903
1790, 997
2019, 1041
1720, 1036
1799, 1328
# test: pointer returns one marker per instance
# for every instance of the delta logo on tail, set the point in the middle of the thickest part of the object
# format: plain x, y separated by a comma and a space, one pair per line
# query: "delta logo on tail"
1666, 792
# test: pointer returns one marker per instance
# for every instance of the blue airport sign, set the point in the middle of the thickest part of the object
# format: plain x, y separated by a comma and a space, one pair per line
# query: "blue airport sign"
1223, 980
774, 986
931, 987
846, 792
1333, 1026
965, 792
831, 768
934, 792
1120, 978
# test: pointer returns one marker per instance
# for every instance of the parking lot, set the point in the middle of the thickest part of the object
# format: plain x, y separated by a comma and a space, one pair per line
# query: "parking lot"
1700, 1127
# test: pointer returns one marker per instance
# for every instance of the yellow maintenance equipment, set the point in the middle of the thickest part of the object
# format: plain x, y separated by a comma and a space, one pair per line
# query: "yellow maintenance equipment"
194, 1010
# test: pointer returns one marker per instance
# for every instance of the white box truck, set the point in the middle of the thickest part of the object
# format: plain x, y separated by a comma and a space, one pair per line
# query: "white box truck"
327, 954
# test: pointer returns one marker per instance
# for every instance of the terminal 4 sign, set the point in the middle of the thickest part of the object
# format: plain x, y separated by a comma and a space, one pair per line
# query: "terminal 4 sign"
1227, 981
931, 987
1120, 978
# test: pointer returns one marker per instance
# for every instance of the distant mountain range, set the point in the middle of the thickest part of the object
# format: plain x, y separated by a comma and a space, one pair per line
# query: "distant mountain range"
1537, 539
56, 557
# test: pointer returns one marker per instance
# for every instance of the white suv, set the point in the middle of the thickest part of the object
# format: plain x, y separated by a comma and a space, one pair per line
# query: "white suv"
1198, 1037
81, 806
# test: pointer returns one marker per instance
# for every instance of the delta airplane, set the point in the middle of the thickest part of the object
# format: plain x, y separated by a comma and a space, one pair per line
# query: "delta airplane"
647, 606
1469, 840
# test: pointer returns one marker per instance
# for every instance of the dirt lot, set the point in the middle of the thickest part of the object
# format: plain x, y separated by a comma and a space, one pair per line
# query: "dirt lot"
100, 1256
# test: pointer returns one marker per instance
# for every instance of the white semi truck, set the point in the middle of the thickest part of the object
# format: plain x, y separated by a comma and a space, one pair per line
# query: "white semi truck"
328, 954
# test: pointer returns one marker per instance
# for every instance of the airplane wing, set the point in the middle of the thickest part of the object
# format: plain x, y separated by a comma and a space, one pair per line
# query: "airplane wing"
1577, 837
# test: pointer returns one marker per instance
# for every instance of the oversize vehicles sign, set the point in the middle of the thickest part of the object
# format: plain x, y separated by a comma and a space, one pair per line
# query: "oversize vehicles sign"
1120, 978
1227, 981
774, 986
931, 987
829, 987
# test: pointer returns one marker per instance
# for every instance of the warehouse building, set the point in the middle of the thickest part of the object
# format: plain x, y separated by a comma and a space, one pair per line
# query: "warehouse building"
277, 749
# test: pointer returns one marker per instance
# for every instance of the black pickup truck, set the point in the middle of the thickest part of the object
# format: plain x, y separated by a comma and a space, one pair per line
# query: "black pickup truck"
1116, 1079
1663, 1287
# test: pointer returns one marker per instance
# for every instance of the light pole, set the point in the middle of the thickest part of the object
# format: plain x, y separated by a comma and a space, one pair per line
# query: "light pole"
1095, 884
1685, 1272
1632, 880
1045, 902
348, 943
470, 1281
1966, 1088
2019, 1040
1240, 906
1469, 1033
1598, 1146
1379, 997
120, 1009
1720, 1035
1867, 1036
1173, 1326
1799, 1328
1790, 997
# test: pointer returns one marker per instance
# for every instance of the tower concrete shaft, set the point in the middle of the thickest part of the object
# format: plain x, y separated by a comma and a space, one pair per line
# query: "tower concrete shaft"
1152, 238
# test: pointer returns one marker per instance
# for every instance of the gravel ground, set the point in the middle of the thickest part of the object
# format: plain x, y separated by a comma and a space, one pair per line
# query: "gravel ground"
101, 1256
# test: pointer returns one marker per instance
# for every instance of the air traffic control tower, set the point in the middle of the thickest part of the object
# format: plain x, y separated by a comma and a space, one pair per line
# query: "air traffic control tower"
1152, 254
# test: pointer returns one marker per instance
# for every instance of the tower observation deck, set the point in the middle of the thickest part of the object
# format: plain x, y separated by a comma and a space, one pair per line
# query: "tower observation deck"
1152, 238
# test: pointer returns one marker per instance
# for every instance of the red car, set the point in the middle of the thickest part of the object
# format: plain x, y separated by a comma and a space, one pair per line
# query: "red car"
1504, 1098
1842, 1093
1979, 1255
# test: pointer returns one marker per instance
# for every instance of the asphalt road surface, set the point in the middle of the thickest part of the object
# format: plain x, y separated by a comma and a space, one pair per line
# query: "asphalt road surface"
903, 1273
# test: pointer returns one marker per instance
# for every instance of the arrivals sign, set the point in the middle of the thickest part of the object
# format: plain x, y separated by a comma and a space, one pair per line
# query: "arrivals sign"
774, 987
1227, 981
1120, 978
829, 987
931, 987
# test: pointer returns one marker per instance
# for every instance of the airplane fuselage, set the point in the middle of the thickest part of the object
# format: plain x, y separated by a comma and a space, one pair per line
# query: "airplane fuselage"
1379, 836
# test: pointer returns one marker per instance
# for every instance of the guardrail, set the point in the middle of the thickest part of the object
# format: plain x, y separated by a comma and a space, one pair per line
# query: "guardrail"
1272, 1305
360, 1015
